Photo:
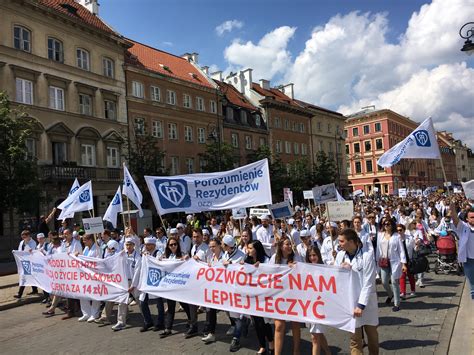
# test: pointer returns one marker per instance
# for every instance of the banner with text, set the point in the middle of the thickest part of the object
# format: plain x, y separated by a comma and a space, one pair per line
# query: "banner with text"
74, 277
246, 186
304, 293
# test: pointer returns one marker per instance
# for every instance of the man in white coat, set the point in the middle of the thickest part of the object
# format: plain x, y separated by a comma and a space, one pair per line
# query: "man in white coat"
265, 234
361, 260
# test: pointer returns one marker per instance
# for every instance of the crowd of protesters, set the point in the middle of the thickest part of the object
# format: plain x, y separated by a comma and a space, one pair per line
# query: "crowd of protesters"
384, 234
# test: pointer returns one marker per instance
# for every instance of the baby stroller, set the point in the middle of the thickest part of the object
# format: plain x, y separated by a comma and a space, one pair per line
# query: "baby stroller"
447, 260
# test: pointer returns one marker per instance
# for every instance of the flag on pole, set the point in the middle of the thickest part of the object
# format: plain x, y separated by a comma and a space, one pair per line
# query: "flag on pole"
339, 197
420, 144
114, 208
62, 206
80, 200
130, 189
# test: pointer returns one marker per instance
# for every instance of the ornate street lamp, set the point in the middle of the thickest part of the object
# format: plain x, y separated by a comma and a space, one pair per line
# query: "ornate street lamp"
467, 32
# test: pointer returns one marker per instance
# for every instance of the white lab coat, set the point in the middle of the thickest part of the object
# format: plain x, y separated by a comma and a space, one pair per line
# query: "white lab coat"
265, 236
396, 253
363, 264
327, 248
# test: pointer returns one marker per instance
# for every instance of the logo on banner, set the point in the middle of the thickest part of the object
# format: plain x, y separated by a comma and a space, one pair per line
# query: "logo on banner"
422, 138
73, 190
173, 193
26, 267
116, 200
154, 277
85, 196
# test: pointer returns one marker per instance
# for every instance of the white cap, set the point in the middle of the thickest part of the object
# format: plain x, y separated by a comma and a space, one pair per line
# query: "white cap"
189, 217
40, 235
75, 234
228, 240
265, 217
112, 244
173, 231
331, 224
205, 232
180, 225
305, 233
129, 240
150, 240
291, 221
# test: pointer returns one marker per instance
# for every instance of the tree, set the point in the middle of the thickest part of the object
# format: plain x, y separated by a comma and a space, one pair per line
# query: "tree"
324, 170
300, 177
218, 158
19, 187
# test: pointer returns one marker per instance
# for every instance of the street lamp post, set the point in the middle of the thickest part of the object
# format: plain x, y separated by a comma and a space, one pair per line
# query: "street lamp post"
338, 135
467, 32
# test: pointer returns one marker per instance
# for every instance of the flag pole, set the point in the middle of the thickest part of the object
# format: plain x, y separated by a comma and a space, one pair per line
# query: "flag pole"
128, 208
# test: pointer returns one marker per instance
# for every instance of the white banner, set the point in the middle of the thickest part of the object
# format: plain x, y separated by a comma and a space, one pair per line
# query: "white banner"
74, 277
259, 212
93, 225
246, 186
304, 293
308, 194
402, 192
281, 210
324, 193
358, 193
339, 211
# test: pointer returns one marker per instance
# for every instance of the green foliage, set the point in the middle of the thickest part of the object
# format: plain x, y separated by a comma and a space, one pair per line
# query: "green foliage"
324, 170
218, 158
19, 187
300, 177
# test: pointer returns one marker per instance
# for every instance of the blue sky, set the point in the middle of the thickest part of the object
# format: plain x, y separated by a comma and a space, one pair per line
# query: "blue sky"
403, 55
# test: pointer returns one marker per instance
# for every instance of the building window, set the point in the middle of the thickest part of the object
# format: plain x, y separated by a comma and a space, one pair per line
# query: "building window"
378, 127
358, 167
24, 91
243, 117
258, 120
172, 131
287, 125
356, 147
157, 129
366, 129
170, 97
329, 128
108, 67
229, 113
330, 147
113, 160
55, 50
200, 104
262, 142
348, 168
137, 89
368, 166
190, 165
295, 126
355, 132
174, 166
56, 98
347, 148
278, 147
320, 127
287, 147
155, 93
296, 148
277, 122
213, 106
378, 143
302, 128
83, 60
202, 165
30, 149
85, 104
139, 126
235, 140
321, 146
110, 110
59, 153
22, 38
188, 133
88, 154
304, 149
201, 135
248, 142
345, 133
367, 146
187, 101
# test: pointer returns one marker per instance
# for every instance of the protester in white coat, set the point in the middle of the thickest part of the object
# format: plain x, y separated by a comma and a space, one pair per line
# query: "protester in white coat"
361, 260
27, 244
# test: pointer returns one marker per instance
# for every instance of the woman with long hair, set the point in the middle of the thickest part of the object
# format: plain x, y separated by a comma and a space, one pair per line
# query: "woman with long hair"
245, 239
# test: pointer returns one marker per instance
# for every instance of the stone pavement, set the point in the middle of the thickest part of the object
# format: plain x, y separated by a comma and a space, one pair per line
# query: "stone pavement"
424, 325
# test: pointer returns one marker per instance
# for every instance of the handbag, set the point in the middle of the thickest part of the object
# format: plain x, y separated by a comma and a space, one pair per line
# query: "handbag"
385, 262
416, 265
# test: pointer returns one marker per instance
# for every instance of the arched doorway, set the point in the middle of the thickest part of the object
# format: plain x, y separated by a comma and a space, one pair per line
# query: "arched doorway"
377, 187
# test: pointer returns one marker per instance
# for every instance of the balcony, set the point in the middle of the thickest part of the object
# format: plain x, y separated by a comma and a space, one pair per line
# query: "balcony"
56, 173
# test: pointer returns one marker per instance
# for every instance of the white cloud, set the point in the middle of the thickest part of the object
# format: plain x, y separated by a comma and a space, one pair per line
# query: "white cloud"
228, 26
169, 44
267, 58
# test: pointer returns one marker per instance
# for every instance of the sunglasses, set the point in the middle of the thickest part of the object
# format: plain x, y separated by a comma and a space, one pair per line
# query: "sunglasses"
172, 244
387, 224
399, 230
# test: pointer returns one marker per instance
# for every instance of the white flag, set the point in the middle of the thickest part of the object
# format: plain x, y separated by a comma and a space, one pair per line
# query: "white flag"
80, 200
468, 188
115, 207
339, 197
420, 144
63, 206
130, 189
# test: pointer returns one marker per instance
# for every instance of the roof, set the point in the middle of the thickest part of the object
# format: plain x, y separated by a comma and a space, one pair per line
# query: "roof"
311, 106
275, 94
146, 57
77, 12
235, 97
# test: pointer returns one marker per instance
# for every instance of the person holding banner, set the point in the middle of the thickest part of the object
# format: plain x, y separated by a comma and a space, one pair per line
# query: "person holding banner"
27, 244
354, 256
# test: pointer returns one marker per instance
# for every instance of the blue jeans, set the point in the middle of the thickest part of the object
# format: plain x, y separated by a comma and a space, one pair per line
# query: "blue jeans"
394, 291
469, 272
145, 308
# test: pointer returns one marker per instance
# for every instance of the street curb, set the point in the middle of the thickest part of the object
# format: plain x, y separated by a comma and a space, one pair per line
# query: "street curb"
21, 302
444, 339
9, 285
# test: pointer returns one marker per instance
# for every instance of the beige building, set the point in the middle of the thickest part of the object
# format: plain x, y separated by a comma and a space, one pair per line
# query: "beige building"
63, 64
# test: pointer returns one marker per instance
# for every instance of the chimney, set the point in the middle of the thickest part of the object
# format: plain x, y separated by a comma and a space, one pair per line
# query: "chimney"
246, 81
187, 56
205, 69
287, 90
195, 57
265, 84
91, 5
217, 75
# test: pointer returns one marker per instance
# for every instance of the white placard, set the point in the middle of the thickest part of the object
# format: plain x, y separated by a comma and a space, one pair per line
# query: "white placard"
468, 188
339, 211
324, 193
402, 192
281, 210
239, 213
93, 225
358, 193
308, 194
259, 212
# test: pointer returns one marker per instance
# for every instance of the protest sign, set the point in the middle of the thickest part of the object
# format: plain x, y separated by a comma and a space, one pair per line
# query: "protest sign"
281, 210
468, 188
303, 293
239, 213
288, 195
248, 185
457, 190
402, 192
93, 225
69, 276
308, 194
324, 193
358, 193
341, 210
259, 212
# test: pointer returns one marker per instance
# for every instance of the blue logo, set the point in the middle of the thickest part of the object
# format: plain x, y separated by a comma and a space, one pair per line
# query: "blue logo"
154, 277
422, 138
85, 196
26, 267
116, 200
74, 189
173, 193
